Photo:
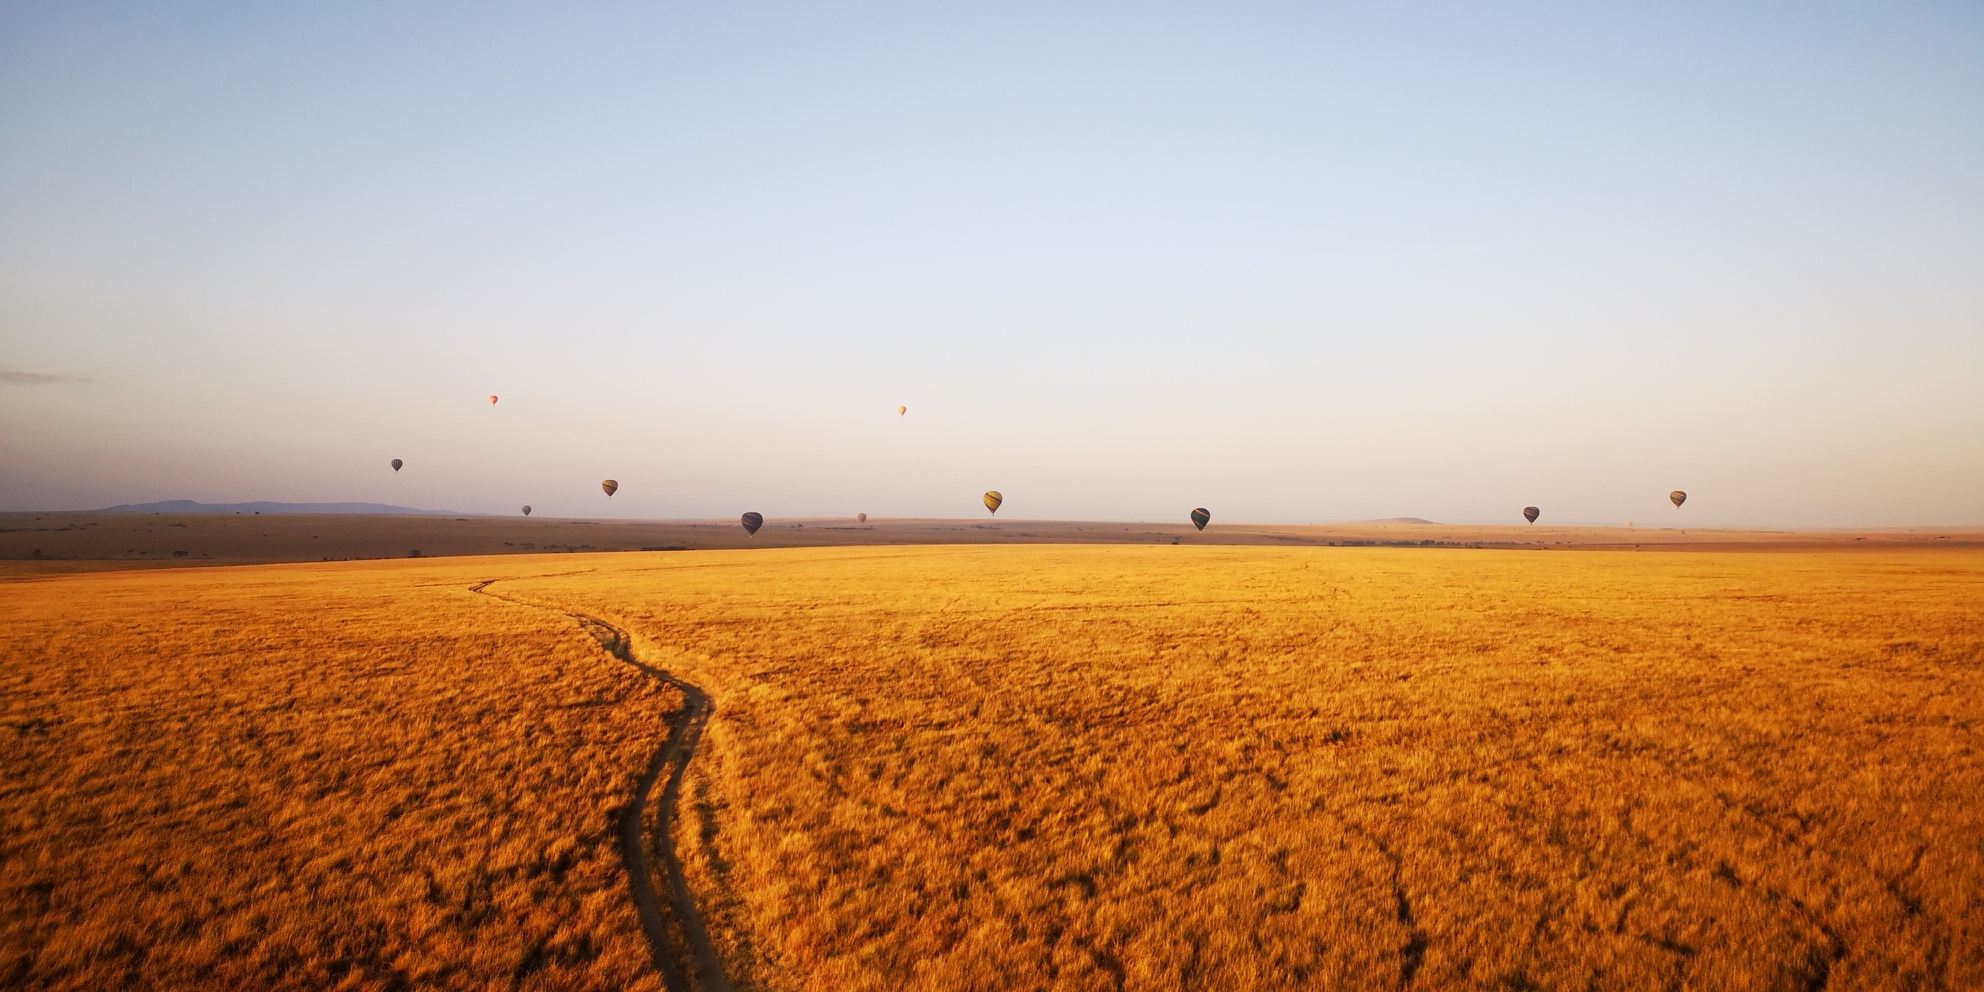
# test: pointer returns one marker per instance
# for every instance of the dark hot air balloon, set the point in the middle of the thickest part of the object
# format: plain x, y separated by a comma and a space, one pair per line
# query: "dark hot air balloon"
1200, 518
396, 464
1677, 497
1530, 513
610, 486
992, 500
861, 518
752, 521
526, 509
901, 410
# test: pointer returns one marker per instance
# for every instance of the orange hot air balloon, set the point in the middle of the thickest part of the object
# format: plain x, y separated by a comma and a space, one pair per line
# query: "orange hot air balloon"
861, 518
752, 521
1530, 513
901, 410
396, 464
610, 486
1200, 518
492, 400
526, 509
1677, 497
992, 500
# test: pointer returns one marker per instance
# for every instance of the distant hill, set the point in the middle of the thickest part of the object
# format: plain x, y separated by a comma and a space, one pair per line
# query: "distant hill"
264, 506
1398, 520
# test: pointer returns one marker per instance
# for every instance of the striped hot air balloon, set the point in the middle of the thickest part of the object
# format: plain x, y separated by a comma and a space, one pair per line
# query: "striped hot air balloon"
992, 501
1530, 513
752, 521
1200, 518
1677, 497
610, 486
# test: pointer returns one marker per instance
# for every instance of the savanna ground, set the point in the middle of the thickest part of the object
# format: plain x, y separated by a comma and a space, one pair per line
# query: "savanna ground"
277, 777
1027, 767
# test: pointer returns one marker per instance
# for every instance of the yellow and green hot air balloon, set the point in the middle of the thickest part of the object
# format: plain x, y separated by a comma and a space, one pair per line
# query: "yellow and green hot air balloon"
992, 501
1200, 518
1677, 497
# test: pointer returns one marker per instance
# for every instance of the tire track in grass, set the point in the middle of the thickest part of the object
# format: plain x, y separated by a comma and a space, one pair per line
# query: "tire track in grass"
673, 757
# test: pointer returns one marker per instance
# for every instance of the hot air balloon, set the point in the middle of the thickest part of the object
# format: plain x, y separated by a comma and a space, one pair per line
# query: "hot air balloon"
861, 518
1200, 518
1677, 497
992, 500
752, 521
396, 464
901, 410
526, 509
610, 486
1530, 513
492, 400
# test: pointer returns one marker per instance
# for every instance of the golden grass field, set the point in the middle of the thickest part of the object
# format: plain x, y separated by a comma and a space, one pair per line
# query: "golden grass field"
356, 777
1013, 767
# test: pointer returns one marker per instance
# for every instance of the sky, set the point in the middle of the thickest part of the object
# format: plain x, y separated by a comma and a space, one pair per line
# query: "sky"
1293, 263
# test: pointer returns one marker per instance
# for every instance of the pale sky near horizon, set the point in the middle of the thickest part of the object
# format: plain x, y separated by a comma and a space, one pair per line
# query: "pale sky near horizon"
1290, 263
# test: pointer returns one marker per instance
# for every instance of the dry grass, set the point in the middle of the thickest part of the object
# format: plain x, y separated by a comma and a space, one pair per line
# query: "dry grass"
354, 776
1225, 768
1012, 768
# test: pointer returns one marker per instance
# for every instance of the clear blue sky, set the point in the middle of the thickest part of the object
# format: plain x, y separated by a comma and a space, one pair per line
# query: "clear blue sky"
1290, 263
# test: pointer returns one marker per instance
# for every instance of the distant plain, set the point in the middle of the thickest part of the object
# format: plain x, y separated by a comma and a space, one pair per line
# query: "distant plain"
35, 543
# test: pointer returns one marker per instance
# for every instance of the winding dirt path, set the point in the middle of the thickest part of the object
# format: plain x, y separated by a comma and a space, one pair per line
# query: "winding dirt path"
673, 757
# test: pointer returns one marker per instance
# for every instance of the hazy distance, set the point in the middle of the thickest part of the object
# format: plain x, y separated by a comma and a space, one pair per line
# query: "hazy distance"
1291, 265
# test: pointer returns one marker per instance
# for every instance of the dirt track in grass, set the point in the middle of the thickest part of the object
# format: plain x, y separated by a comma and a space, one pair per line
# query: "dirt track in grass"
680, 933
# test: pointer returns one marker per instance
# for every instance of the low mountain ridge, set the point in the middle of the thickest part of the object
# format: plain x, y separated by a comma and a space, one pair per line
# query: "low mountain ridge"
266, 506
